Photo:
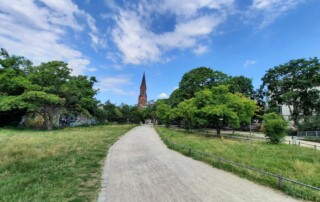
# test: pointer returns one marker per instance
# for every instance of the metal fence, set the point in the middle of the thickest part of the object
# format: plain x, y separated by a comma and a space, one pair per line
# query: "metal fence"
231, 136
219, 159
308, 133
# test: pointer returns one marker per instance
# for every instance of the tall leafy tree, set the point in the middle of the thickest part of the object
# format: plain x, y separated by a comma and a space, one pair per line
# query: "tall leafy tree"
13, 84
47, 89
295, 84
199, 78
47, 96
163, 112
185, 111
219, 106
241, 84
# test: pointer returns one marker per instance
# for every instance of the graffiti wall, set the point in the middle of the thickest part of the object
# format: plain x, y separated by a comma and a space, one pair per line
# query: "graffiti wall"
66, 121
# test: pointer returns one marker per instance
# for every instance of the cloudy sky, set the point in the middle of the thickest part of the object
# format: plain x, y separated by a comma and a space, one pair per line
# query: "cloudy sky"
117, 40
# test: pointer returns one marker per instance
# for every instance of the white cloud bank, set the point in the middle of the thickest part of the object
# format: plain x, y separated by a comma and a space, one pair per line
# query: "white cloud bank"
116, 84
138, 44
36, 30
163, 96
270, 10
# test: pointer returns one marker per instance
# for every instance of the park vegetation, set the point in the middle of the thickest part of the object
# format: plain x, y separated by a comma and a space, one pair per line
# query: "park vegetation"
297, 163
42, 94
212, 99
295, 84
65, 164
58, 165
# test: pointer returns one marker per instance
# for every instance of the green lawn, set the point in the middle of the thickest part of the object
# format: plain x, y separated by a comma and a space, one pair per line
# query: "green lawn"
59, 165
297, 163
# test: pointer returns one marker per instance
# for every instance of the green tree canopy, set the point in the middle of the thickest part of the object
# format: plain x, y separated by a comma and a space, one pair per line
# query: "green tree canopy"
163, 112
198, 79
47, 89
219, 106
186, 112
241, 84
295, 84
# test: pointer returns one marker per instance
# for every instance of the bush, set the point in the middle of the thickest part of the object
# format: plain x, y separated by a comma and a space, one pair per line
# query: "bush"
275, 127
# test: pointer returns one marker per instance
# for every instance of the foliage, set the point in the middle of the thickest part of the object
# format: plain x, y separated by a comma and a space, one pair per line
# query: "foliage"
310, 124
47, 89
186, 112
13, 84
299, 163
149, 112
275, 127
113, 113
163, 112
295, 84
241, 84
198, 79
60, 165
175, 98
121, 114
218, 106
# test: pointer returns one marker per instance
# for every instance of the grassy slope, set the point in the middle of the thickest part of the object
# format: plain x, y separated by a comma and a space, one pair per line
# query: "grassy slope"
61, 165
293, 162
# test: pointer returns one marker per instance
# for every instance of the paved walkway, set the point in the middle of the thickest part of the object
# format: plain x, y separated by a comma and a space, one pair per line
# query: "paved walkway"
139, 167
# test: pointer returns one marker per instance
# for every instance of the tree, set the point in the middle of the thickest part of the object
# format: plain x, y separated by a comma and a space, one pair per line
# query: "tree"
47, 89
163, 112
275, 127
218, 106
295, 84
186, 112
198, 79
241, 84
175, 98
113, 113
13, 84
79, 94
47, 95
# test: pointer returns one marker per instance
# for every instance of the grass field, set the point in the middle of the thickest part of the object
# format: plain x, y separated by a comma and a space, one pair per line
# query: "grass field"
297, 163
60, 165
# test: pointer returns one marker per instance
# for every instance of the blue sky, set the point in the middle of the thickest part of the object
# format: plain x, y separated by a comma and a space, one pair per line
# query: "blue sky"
116, 41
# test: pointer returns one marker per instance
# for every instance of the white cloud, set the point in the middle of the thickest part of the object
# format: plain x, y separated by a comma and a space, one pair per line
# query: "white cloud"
138, 44
249, 63
200, 49
133, 40
163, 96
36, 32
190, 8
116, 84
270, 10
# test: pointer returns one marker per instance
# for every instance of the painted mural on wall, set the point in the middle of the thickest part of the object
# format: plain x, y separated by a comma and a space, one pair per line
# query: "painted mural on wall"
37, 121
76, 121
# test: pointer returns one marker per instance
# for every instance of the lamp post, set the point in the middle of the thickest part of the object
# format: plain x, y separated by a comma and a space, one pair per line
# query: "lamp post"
250, 126
220, 126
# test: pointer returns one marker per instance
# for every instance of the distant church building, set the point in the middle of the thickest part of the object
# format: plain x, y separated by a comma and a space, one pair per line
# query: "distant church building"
142, 101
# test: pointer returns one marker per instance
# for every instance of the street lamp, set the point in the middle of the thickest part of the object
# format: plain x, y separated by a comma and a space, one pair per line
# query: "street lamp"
220, 125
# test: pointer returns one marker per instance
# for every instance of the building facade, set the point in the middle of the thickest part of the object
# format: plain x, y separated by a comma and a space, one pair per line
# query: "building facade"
142, 100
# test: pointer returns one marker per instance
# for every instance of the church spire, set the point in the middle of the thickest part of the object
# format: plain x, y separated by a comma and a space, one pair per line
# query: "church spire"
143, 82
142, 100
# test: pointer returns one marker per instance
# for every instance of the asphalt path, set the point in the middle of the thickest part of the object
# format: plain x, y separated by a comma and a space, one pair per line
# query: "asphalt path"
139, 167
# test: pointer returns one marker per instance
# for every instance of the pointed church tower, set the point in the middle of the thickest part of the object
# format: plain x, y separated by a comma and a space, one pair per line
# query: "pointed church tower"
142, 101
